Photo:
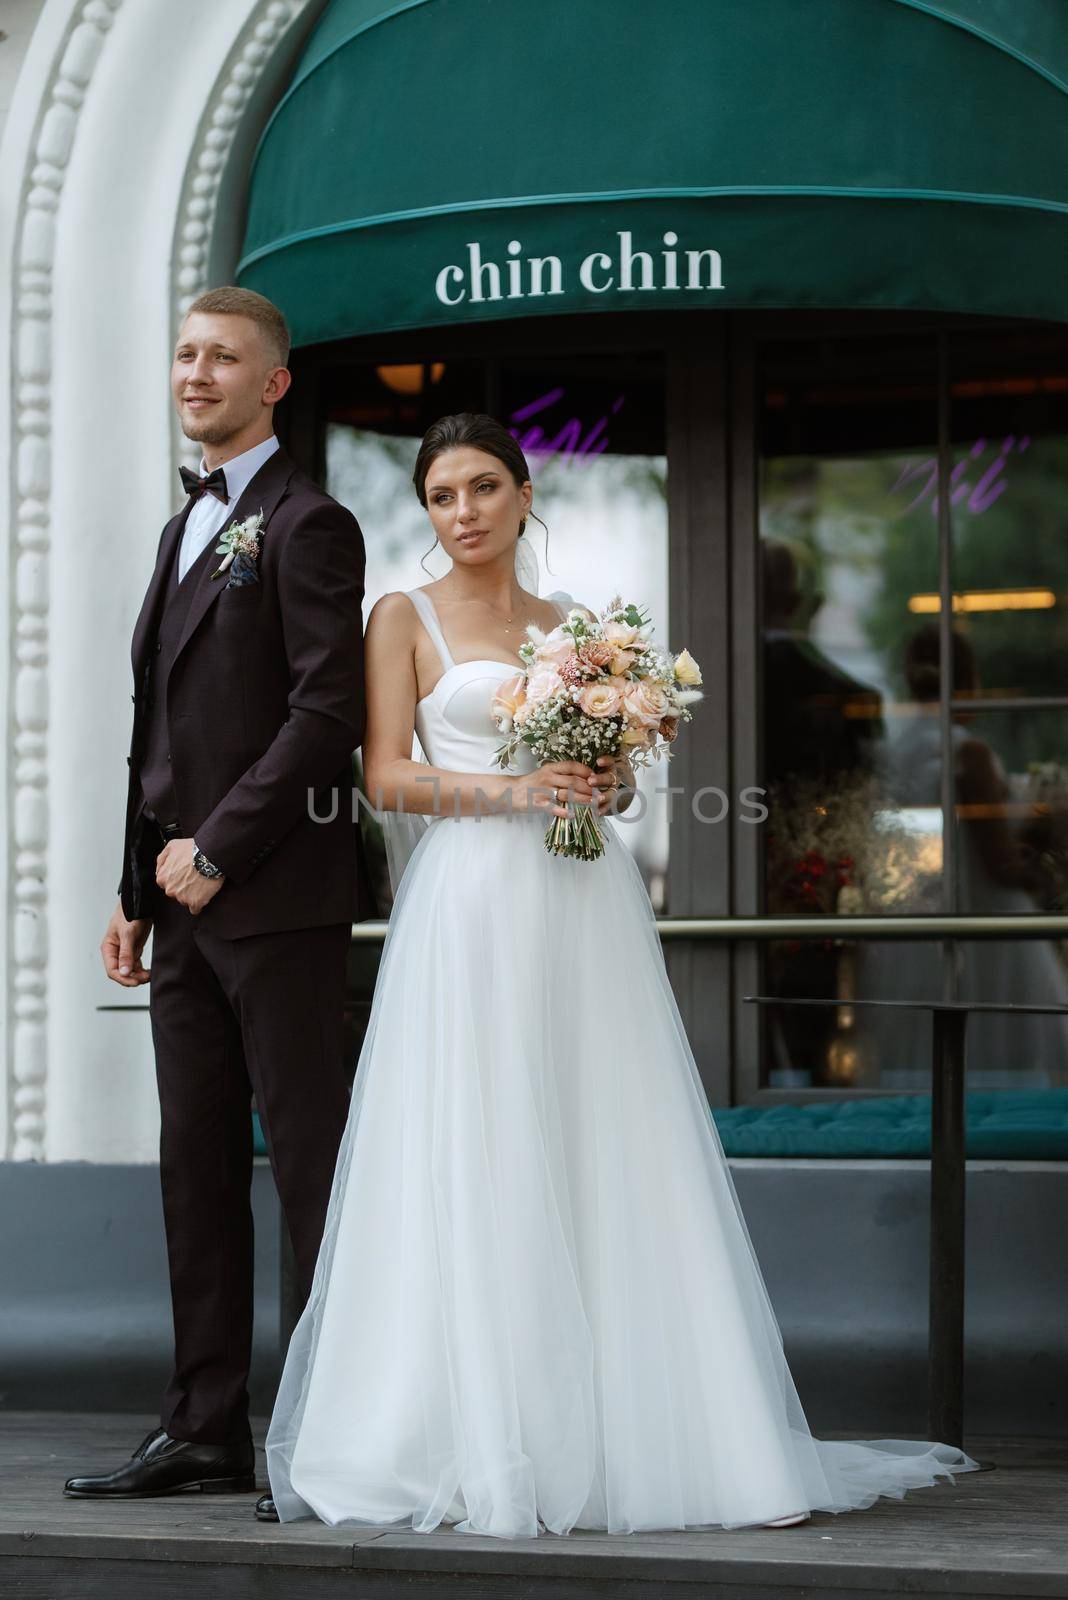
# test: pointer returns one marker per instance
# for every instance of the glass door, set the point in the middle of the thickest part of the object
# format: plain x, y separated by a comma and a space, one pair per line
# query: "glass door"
886, 480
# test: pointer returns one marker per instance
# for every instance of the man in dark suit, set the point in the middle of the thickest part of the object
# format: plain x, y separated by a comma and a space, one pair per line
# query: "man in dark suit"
248, 704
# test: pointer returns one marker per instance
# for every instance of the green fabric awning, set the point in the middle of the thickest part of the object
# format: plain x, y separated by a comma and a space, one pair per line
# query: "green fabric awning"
446, 161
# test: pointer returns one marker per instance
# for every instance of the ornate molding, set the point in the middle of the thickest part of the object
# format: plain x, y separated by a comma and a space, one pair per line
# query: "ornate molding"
28, 798
77, 53
197, 220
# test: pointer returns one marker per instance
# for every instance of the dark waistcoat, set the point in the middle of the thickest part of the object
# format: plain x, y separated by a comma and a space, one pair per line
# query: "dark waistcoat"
157, 783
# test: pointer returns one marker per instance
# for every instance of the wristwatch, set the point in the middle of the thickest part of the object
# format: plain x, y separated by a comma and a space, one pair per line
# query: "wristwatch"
206, 868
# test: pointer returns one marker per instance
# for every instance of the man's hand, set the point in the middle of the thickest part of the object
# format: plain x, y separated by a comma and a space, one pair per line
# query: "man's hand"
121, 949
180, 880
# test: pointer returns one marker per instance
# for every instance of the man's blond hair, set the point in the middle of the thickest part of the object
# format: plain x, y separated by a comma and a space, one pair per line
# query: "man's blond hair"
230, 301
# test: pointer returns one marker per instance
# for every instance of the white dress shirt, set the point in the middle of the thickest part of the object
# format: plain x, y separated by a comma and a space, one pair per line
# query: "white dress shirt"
209, 516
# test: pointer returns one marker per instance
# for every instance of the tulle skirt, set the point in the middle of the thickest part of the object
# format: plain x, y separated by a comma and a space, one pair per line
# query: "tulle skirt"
537, 1305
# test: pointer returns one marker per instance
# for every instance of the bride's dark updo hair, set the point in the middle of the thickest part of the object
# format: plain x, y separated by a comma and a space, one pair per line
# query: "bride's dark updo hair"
472, 428
481, 432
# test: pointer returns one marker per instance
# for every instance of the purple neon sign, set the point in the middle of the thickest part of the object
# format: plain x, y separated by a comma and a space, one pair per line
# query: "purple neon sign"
975, 497
573, 440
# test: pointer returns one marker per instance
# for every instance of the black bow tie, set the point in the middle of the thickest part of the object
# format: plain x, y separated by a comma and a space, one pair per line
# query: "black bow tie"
214, 483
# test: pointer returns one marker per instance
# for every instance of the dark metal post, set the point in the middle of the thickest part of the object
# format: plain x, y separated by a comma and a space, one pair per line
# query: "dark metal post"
946, 1329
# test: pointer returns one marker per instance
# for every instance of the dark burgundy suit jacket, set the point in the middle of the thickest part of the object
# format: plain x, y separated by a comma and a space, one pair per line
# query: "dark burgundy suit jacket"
264, 702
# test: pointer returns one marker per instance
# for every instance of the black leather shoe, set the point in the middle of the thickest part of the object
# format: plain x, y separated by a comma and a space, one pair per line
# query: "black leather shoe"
162, 1465
265, 1509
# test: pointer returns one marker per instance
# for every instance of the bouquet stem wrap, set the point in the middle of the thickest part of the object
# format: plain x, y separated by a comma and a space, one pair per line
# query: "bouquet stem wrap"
578, 835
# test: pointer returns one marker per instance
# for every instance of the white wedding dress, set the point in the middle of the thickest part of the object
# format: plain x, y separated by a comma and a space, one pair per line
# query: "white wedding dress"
536, 1305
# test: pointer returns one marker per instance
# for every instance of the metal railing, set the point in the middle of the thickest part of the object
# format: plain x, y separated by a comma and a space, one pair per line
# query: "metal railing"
1039, 925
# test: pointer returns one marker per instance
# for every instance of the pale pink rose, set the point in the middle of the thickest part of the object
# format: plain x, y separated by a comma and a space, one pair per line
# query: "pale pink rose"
600, 700
620, 661
618, 682
646, 703
620, 635
554, 652
510, 695
542, 684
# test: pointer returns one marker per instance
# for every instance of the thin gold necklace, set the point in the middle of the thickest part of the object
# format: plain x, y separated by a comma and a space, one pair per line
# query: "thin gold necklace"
489, 608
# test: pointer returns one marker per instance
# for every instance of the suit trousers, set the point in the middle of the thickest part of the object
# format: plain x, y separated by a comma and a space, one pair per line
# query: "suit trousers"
229, 1016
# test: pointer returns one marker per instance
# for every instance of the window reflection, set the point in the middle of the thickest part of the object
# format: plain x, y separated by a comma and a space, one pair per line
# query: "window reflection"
820, 721
857, 753
1009, 429
1005, 1050
844, 542
1006, 826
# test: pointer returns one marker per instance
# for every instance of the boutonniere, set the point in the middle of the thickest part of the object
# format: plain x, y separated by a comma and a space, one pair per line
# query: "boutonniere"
240, 545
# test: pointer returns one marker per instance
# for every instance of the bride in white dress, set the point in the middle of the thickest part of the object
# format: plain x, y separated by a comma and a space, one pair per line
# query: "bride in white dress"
536, 1305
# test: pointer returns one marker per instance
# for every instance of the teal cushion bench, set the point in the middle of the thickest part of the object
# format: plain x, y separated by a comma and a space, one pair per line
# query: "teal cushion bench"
1023, 1126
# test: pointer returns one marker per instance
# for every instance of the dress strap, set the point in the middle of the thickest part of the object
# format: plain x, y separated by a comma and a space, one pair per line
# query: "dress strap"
428, 615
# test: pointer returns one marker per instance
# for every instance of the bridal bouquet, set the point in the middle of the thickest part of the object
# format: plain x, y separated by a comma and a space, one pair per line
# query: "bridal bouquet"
589, 689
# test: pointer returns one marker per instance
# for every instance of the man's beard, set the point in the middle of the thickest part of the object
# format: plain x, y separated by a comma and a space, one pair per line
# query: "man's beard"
210, 429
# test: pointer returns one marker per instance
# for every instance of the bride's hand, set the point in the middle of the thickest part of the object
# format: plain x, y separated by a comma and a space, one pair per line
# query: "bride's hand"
615, 773
553, 787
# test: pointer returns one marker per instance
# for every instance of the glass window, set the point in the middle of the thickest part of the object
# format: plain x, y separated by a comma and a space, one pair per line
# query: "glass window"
592, 429
844, 543
1009, 510
858, 755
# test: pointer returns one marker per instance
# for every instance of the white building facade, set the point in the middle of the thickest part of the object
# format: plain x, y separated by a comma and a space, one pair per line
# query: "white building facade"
128, 126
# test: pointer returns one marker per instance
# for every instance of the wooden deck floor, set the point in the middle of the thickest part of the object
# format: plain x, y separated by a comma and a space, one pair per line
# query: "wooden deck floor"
1003, 1533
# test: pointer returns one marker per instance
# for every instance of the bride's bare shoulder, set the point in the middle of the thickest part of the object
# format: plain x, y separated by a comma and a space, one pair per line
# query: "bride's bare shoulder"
392, 617
392, 624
